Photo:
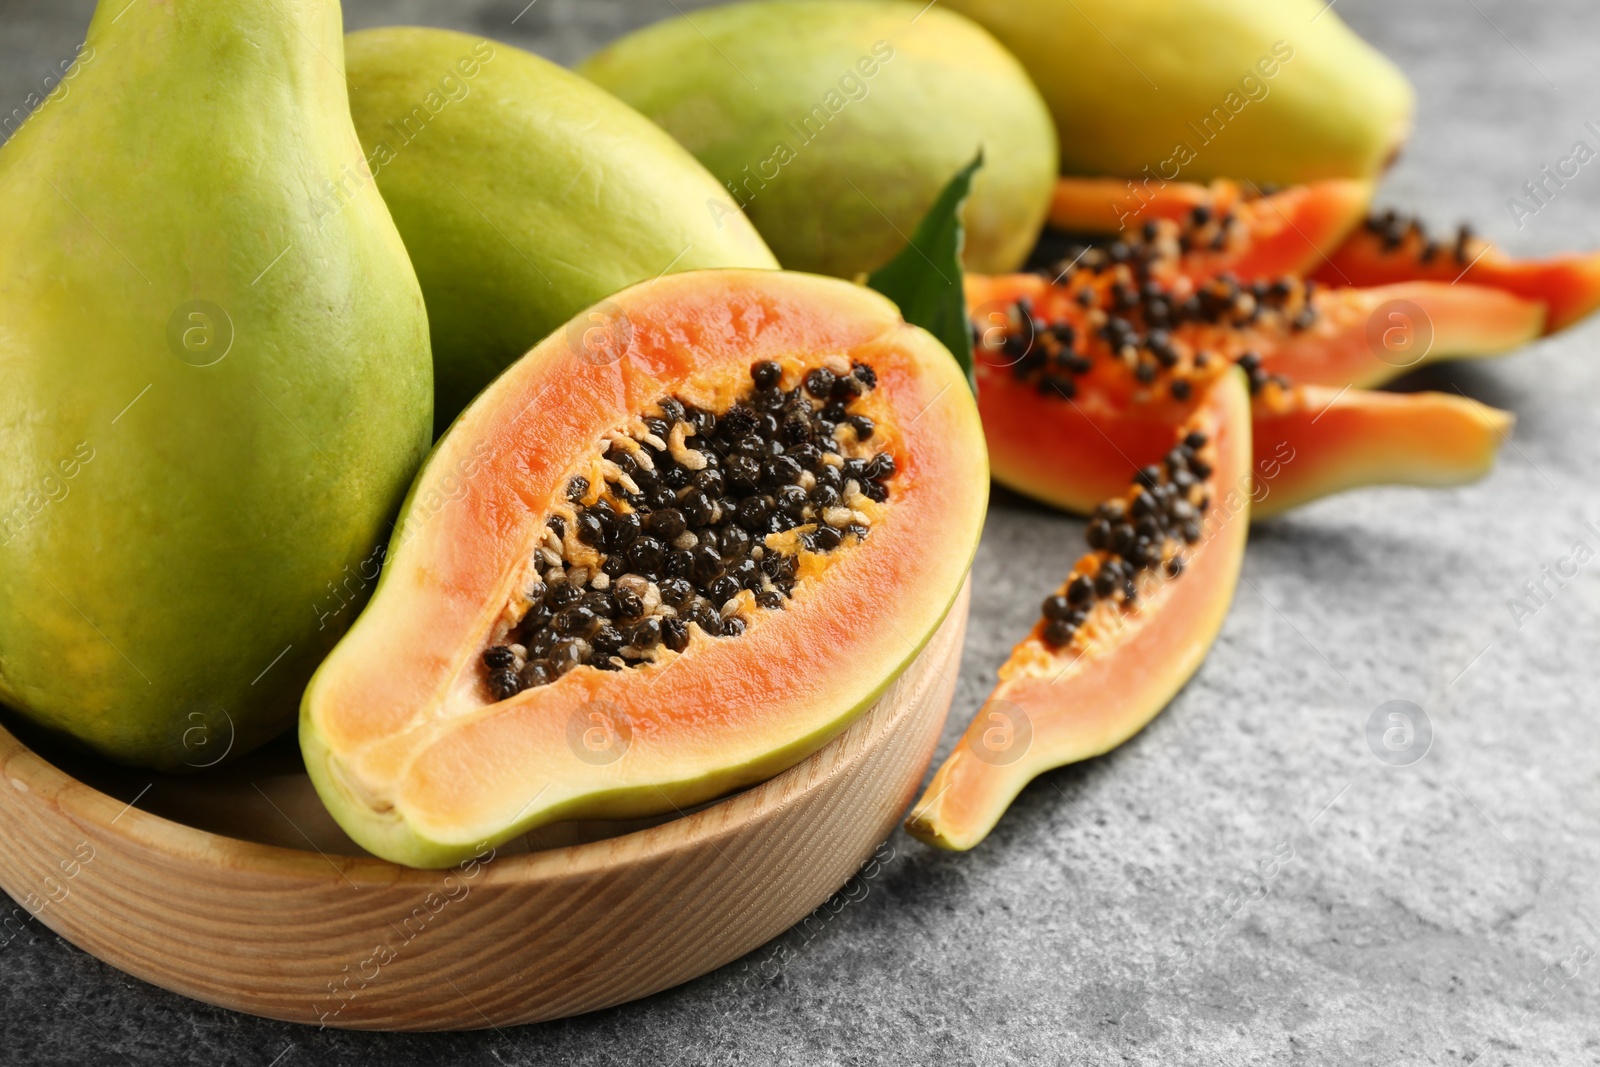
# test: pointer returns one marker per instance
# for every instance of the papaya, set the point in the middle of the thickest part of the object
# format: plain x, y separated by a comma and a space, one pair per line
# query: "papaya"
835, 124
1080, 381
1368, 337
1308, 331
523, 193
1221, 227
1122, 634
626, 585
217, 395
1224, 227
1263, 90
1390, 247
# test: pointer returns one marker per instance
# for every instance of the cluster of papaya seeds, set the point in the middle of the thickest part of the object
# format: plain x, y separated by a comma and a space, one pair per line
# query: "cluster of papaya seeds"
746, 507
675, 536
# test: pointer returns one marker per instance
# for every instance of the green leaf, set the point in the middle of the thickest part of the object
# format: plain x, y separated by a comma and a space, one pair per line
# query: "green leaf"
925, 278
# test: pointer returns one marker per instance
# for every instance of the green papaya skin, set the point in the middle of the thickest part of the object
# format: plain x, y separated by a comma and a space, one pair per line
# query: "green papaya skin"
524, 194
1133, 83
214, 358
835, 123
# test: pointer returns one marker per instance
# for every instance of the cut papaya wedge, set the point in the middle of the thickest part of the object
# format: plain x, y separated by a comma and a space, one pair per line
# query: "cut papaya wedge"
668, 553
1391, 248
1308, 334
1075, 397
1320, 230
1121, 635
1370, 336
1220, 227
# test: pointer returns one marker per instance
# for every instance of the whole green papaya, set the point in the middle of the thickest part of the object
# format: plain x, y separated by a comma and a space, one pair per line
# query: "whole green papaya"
1274, 91
835, 124
524, 194
215, 370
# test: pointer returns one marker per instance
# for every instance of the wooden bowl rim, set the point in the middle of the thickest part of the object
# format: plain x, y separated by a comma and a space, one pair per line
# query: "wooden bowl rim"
84, 804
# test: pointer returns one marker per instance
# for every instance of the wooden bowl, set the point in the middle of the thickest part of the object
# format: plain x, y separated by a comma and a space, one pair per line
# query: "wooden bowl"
248, 896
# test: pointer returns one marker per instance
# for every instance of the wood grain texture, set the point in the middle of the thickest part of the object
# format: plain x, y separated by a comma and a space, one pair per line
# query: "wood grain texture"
317, 937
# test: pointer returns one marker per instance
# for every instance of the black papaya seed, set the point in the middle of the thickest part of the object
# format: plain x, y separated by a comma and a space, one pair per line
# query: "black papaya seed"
766, 374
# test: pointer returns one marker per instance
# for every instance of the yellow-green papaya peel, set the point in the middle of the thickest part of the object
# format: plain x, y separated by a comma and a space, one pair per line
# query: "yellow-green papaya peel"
835, 124
215, 370
524, 194
1264, 90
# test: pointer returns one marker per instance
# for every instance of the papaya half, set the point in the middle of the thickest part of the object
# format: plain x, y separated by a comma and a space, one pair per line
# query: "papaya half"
1124, 631
835, 124
1322, 230
670, 552
523, 193
1081, 378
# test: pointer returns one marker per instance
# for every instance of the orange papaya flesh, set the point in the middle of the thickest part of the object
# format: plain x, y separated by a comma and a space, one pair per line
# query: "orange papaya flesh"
1072, 405
1389, 248
584, 616
1314, 441
1122, 634
1105, 206
1220, 227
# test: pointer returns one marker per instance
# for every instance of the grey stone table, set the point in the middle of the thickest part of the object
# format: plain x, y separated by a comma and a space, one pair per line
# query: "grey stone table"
1443, 912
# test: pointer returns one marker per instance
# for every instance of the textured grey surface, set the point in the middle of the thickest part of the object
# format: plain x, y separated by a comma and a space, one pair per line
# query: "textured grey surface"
1440, 913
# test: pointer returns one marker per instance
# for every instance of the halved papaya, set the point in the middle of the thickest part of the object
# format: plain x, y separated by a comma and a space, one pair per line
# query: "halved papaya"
1079, 385
1122, 634
1220, 227
1391, 247
668, 553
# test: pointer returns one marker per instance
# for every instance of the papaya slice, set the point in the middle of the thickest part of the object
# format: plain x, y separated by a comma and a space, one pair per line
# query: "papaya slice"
1106, 206
1301, 330
1390, 247
1321, 230
1370, 336
1080, 383
668, 553
1121, 635
1220, 227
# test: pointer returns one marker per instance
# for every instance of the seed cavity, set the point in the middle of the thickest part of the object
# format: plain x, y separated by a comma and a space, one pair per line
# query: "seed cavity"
1146, 530
1399, 233
693, 518
1126, 308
